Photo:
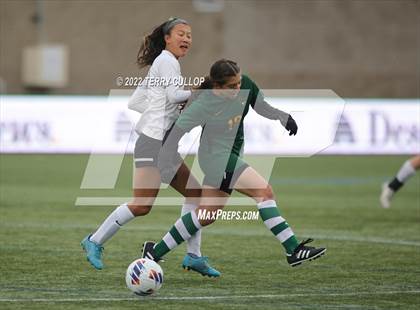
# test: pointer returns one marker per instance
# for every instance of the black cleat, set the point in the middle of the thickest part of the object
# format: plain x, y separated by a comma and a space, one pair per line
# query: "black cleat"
304, 253
148, 251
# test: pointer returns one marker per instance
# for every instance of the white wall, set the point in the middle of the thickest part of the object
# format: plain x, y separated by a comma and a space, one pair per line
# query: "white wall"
82, 124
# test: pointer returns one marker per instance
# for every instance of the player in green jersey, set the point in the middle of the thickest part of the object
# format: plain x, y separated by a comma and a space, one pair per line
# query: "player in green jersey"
221, 110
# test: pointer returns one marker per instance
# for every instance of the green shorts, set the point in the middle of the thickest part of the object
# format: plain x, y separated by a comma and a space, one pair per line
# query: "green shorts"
223, 179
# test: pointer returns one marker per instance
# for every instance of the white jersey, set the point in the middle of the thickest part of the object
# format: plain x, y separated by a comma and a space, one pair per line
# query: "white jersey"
158, 103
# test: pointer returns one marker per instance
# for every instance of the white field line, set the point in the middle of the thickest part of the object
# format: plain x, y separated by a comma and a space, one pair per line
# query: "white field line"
160, 201
324, 234
280, 296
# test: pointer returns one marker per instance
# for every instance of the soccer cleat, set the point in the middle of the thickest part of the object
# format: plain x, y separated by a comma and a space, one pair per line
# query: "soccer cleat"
386, 196
93, 252
200, 265
148, 251
304, 253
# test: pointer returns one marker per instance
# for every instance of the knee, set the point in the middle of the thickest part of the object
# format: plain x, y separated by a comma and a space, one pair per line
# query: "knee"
194, 192
267, 194
208, 216
206, 222
139, 210
415, 162
193, 197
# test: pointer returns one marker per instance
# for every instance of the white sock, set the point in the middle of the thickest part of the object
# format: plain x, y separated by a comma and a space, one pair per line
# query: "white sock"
120, 216
194, 243
406, 171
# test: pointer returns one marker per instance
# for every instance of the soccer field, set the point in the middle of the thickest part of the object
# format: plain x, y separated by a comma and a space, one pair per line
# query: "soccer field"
372, 262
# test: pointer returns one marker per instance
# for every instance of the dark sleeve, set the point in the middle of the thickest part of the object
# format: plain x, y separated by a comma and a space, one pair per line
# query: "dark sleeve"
254, 91
194, 115
173, 136
264, 109
261, 106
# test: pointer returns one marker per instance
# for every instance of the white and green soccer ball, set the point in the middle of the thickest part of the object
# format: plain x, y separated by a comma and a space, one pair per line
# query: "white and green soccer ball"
144, 277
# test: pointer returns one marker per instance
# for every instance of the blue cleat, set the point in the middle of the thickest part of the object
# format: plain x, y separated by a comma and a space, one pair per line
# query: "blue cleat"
93, 252
200, 265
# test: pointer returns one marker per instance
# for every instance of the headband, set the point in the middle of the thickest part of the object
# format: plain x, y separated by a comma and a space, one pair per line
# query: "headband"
173, 22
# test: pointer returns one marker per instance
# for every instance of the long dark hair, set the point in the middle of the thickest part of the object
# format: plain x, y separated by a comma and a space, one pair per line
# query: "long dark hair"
220, 72
154, 43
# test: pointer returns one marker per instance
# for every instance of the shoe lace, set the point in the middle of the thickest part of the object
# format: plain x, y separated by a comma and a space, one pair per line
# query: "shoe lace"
309, 240
205, 261
302, 244
99, 249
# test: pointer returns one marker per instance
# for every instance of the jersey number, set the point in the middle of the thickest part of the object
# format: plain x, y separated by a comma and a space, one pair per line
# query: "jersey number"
233, 121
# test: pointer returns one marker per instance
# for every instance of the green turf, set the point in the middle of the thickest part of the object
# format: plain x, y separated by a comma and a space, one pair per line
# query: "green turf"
373, 258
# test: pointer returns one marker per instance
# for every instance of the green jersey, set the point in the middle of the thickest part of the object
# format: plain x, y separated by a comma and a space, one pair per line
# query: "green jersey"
222, 138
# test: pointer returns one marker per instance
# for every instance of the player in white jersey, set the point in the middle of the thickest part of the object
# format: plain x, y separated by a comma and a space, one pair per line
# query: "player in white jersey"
157, 98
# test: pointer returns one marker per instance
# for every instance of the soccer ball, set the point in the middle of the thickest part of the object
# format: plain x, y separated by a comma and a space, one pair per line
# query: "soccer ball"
144, 277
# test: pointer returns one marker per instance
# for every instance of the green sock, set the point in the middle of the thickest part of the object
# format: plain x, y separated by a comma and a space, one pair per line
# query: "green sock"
279, 227
184, 228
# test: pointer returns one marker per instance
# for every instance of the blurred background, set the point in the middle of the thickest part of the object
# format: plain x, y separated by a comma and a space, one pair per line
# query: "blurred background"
359, 49
67, 56
66, 138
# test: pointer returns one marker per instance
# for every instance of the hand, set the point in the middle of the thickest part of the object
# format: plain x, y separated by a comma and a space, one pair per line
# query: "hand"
185, 104
291, 126
181, 106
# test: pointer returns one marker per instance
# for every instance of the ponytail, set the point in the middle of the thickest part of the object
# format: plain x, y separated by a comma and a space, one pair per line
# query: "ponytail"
151, 47
206, 84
